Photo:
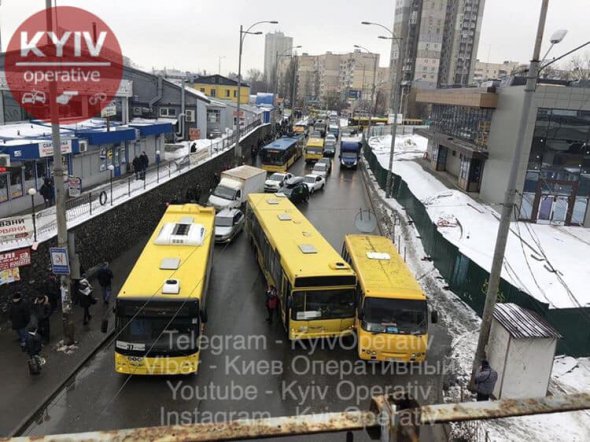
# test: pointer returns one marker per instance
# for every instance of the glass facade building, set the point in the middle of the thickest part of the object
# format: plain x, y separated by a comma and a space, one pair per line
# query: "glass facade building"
557, 183
467, 123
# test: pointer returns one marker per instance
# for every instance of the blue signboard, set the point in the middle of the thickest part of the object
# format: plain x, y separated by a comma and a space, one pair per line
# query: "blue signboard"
60, 264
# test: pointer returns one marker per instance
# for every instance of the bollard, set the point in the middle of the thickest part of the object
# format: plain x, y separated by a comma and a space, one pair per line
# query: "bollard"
90, 197
399, 250
404, 253
129, 186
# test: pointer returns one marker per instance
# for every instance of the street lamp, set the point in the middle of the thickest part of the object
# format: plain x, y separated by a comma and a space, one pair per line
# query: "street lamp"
158, 166
395, 95
32, 191
238, 151
372, 108
111, 169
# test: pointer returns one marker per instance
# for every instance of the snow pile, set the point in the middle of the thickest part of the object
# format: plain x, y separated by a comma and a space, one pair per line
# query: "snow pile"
535, 261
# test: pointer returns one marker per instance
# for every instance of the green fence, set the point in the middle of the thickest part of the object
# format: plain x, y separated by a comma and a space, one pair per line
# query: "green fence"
469, 281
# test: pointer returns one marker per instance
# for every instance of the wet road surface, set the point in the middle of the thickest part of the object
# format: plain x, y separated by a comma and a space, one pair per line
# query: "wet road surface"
250, 369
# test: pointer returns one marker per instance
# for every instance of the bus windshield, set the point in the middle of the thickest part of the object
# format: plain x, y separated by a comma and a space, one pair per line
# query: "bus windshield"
272, 156
396, 316
158, 336
322, 304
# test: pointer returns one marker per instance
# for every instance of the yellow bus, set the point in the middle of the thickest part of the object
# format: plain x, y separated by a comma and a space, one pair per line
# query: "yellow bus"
392, 309
281, 154
160, 310
315, 286
314, 150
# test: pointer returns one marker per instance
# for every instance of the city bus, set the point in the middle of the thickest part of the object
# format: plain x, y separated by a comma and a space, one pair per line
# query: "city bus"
160, 310
281, 154
315, 286
392, 310
314, 150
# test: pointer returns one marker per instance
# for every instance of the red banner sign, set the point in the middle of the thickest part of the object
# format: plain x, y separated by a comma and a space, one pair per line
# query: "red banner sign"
15, 258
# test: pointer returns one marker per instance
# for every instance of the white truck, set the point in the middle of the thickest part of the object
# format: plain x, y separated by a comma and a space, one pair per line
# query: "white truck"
235, 185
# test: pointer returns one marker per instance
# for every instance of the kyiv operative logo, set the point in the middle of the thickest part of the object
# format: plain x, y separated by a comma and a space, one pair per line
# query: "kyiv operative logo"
64, 60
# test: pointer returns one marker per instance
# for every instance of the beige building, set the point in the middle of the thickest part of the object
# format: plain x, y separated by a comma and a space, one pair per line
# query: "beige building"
350, 74
493, 71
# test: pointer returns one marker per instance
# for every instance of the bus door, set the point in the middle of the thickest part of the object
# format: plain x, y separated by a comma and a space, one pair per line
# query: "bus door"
285, 292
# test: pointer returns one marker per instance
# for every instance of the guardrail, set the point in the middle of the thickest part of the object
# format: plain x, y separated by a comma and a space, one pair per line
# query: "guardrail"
107, 196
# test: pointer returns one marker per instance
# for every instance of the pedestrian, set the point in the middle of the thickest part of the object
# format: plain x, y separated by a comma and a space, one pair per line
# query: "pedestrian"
76, 285
86, 298
46, 192
19, 316
485, 381
137, 166
144, 164
53, 292
34, 345
197, 193
42, 312
272, 302
105, 277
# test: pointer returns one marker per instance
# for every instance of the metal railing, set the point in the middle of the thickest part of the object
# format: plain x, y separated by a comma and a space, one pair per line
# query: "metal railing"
98, 200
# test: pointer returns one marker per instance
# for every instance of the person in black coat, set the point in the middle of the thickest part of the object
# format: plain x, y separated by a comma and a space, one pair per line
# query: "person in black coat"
42, 312
53, 291
136, 166
47, 192
144, 164
105, 278
86, 298
20, 317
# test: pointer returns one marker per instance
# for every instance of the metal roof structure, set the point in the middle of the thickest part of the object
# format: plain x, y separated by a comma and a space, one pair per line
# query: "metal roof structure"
522, 323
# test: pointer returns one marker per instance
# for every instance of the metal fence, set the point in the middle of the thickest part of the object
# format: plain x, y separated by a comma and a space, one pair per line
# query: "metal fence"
469, 281
106, 196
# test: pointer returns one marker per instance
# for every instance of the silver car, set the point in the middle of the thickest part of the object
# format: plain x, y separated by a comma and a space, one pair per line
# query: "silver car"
228, 223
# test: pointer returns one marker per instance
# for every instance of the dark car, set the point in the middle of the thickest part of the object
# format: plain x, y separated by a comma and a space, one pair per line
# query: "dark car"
296, 190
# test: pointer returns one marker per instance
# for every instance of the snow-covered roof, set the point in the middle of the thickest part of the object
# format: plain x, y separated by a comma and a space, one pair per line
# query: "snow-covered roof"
196, 92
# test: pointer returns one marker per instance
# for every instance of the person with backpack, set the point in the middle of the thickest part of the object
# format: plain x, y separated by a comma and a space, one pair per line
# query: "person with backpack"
272, 302
105, 277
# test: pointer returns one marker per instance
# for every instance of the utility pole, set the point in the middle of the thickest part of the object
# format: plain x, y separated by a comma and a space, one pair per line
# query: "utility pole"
238, 149
507, 208
395, 85
60, 199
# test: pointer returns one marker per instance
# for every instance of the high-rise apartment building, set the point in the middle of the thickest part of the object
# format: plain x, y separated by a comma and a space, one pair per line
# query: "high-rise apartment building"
440, 40
275, 44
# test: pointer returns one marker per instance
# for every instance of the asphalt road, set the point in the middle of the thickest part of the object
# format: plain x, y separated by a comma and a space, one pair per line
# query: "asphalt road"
250, 369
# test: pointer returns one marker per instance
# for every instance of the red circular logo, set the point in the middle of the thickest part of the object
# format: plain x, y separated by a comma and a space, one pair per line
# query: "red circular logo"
64, 65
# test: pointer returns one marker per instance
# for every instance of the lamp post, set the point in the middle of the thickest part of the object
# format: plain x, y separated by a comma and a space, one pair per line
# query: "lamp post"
157, 166
111, 169
372, 108
32, 191
238, 151
395, 96
509, 197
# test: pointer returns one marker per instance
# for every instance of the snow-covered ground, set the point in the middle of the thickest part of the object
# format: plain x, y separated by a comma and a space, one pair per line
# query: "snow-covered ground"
472, 227
535, 261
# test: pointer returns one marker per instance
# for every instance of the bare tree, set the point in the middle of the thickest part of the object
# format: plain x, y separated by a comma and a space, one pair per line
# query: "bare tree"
580, 66
256, 80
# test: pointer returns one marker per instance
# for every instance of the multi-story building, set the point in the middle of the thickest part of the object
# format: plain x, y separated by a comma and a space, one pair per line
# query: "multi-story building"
275, 44
472, 140
493, 71
307, 78
223, 88
351, 75
440, 40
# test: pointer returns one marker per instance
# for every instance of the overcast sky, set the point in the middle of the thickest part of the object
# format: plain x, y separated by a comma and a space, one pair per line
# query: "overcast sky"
193, 34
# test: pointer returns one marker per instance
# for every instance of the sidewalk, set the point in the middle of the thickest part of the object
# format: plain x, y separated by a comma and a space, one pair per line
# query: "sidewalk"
24, 395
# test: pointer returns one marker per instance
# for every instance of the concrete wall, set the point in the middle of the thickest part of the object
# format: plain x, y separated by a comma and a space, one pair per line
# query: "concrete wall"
107, 236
